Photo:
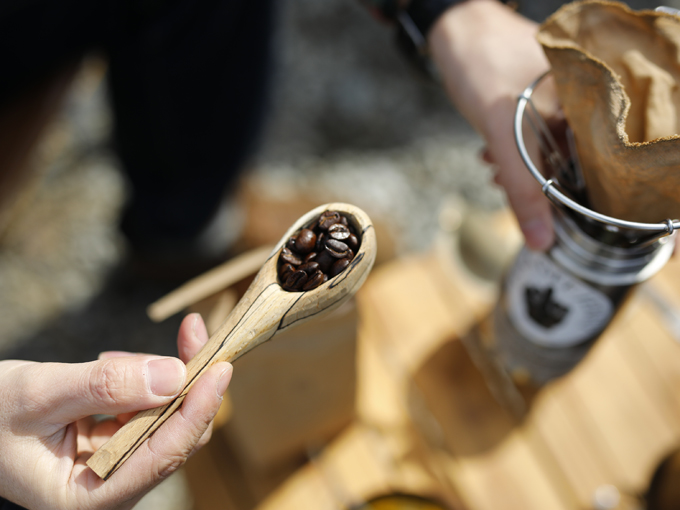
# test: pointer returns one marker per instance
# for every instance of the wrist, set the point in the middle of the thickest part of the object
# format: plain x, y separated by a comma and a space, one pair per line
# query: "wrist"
486, 55
470, 24
426, 13
419, 19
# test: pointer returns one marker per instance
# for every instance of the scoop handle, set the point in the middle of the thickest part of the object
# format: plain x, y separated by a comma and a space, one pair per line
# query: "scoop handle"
253, 322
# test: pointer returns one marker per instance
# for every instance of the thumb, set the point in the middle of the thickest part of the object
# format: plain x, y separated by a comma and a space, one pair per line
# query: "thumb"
62, 393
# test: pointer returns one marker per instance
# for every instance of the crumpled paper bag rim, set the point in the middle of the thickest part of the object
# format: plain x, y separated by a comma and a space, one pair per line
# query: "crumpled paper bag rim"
611, 75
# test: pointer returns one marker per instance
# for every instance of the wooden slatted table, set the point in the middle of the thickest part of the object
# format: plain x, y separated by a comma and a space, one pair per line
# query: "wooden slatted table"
427, 423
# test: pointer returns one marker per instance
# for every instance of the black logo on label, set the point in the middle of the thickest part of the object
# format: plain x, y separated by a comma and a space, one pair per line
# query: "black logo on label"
543, 308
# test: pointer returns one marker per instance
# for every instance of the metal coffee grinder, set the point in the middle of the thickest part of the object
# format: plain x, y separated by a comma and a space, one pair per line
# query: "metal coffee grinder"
553, 306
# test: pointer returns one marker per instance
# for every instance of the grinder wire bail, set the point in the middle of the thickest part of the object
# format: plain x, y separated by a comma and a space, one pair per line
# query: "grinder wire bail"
568, 171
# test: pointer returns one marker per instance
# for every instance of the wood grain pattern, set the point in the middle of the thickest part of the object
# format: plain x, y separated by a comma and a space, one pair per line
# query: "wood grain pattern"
608, 423
265, 310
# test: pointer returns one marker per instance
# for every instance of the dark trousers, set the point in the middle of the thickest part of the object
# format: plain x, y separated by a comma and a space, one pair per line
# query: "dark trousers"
188, 87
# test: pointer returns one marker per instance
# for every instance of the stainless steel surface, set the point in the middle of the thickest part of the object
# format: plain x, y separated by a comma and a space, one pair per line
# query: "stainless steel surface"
551, 186
668, 10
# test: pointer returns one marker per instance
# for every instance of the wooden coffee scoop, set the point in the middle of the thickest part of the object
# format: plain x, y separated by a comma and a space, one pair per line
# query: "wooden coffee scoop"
265, 310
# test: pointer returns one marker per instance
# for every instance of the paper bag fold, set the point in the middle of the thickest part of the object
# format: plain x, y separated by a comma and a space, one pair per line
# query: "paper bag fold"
617, 73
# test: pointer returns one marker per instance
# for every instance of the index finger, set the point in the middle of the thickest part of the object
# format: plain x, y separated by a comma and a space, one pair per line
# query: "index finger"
524, 194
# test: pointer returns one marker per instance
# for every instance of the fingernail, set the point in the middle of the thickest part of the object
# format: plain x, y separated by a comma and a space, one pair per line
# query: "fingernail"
223, 381
166, 376
194, 323
194, 329
538, 234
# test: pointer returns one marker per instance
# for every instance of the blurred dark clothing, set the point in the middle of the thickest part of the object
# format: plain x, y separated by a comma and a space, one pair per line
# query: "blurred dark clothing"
188, 83
8, 505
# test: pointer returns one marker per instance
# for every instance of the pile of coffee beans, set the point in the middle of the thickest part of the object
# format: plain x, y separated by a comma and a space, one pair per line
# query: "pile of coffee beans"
317, 253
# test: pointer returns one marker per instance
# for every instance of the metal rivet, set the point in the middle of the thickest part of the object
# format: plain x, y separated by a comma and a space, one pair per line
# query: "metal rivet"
670, 227
546, 185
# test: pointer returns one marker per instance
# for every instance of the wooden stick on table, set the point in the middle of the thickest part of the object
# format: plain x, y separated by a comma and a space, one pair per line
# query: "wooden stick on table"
209, 283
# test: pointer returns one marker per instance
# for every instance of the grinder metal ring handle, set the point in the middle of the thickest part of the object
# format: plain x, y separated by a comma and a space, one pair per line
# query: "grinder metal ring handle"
549, 186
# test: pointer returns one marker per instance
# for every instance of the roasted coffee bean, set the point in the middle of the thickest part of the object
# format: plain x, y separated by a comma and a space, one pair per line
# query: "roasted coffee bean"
325, 261
296, 280
285, 271
336, 248
315, 280
287, 255
352, 241
305, 241
339, 232
321, 241
317, 252
328, 218
309, 267
338, 267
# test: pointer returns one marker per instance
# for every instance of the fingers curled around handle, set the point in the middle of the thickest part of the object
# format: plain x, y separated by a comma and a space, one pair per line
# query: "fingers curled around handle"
172, 444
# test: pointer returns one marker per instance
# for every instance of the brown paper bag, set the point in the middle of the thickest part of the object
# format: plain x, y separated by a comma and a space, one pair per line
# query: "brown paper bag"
617, 73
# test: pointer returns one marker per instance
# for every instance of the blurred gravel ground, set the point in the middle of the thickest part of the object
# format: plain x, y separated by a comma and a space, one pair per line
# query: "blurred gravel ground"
346, 108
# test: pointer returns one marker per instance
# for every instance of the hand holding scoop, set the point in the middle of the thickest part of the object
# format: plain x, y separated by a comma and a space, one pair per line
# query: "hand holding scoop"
265, 310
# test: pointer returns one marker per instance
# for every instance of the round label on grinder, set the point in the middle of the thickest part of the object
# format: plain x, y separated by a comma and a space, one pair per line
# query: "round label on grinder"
549, 306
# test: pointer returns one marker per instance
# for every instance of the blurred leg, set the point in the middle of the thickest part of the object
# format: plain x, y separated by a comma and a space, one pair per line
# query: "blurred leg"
188, 88
41, 45
22, 122
38, 38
